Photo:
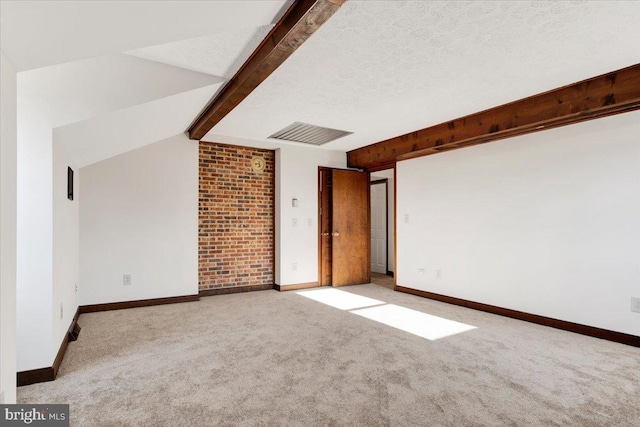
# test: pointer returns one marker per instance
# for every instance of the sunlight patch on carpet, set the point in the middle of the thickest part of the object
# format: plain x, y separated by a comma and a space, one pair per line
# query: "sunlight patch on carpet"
412, 321
340, 299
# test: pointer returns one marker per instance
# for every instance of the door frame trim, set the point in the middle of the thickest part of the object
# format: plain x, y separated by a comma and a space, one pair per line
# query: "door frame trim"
395, 228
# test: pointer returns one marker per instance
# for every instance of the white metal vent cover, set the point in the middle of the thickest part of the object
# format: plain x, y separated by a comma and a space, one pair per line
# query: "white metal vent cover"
309, 134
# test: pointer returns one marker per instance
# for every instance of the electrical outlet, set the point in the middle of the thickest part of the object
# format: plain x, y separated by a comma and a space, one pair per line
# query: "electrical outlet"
61, 311
294, 222
438, 274
76, 288
421, 271
310, 222
406, 218
294, 266
635, 305
126, 280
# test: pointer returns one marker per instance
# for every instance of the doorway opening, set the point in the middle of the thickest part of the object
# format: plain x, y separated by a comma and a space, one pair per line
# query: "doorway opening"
382, 196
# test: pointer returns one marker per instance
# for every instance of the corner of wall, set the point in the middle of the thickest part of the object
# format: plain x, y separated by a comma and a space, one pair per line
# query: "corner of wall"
34, 234
8, 218
277, 209
66, 241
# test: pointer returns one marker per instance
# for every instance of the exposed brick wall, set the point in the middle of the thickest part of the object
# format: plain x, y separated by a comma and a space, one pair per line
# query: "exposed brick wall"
235, 240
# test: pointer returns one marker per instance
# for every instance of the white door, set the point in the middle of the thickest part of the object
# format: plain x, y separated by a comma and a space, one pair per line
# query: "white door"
379, 227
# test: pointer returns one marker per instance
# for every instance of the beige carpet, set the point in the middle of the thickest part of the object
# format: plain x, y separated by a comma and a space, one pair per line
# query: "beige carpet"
382, 280
269, 358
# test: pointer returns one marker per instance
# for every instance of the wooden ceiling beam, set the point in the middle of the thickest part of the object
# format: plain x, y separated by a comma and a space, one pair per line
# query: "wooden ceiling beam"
301, 20
612, 93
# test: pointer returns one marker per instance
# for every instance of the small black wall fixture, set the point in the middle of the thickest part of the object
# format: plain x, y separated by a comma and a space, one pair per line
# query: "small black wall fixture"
69, 183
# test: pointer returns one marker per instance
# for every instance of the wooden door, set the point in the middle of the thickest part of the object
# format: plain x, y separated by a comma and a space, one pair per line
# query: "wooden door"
350, 228
324, 226
379, 227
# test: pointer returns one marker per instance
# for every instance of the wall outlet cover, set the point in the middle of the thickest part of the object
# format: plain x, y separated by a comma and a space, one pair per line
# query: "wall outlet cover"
635, 305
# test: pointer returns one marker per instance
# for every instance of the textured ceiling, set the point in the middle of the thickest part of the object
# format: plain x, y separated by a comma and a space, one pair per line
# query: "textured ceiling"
376, 68
385, 68
74, 80
108, 135
76, 91
36, 34
219, 54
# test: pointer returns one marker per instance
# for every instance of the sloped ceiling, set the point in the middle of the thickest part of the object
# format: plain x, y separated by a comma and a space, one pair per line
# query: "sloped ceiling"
130, 128
386, 68
218, 54
36, 34
74, 78
79, 90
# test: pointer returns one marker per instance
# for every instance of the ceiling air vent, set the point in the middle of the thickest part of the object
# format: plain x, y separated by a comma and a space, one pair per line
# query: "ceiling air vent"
309, 134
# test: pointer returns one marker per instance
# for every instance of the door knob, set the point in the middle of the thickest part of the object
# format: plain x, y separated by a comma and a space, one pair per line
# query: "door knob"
335, 233
326, 233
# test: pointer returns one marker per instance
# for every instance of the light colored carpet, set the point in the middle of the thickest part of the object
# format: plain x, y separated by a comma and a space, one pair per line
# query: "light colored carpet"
270, 358
382, 280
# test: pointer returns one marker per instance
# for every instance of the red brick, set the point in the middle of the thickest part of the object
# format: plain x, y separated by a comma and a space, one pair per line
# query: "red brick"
236, 212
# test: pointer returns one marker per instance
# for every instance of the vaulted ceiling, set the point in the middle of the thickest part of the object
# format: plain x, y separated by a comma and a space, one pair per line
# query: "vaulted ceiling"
109, 77
125, 74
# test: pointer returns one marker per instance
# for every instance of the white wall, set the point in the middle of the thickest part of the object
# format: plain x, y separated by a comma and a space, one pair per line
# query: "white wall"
297, 176
139, 216
66, 223
34, 235
545, 223
47, 234
8, 162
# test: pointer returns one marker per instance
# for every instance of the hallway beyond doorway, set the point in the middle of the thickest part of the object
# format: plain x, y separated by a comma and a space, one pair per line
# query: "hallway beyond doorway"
382, 280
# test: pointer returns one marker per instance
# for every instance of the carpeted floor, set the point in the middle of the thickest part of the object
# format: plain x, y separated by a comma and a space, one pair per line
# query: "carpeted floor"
382, 280
270, 358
